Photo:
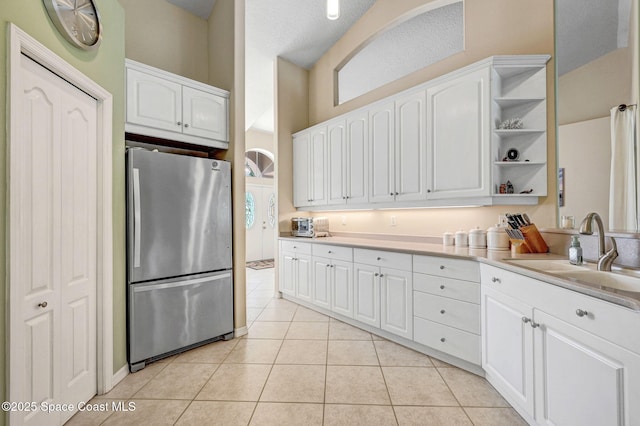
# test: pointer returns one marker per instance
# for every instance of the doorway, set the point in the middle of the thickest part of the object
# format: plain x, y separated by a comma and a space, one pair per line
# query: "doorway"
260, 205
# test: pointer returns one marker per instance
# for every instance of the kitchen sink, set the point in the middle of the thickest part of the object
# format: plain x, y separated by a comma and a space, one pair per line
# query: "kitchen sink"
603, 279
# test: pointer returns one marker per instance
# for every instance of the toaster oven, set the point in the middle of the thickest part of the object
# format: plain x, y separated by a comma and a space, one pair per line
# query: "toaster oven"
310, 227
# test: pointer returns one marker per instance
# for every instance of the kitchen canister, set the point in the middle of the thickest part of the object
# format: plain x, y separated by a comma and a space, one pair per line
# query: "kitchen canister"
462, 239
447, 239
497, 238
477, 238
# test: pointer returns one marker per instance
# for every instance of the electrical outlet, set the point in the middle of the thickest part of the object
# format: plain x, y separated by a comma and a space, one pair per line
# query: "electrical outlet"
502, 220
393, 221
344, 220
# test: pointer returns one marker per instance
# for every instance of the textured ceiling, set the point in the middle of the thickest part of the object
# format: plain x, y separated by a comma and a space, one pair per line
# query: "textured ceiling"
297, 30
588, 29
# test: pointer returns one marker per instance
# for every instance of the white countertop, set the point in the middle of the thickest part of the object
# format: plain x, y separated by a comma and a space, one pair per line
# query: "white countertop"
627, 299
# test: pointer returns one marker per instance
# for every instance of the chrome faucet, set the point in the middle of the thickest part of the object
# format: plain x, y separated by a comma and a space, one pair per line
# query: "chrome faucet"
586, 228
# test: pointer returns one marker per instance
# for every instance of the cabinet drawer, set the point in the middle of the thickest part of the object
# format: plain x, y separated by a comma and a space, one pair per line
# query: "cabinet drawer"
295, 246
466, 291
387, 259
445, 267
462, 315
446, 339
333, 252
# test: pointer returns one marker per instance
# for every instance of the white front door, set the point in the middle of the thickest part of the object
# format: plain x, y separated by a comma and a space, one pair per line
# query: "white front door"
260, 222
53, 325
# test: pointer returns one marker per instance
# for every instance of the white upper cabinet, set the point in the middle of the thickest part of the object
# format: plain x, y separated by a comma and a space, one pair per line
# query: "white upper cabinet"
204, 114
153, 101
337, 147
168, 106
318, 165
440, 143
382, 153
410, 149
301, 182
458, 137
310, 163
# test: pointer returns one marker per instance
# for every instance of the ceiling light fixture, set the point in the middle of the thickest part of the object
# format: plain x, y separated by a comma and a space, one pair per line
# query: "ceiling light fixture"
333, 9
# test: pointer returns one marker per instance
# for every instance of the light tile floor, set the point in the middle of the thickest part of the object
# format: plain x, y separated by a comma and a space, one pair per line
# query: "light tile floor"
299, 367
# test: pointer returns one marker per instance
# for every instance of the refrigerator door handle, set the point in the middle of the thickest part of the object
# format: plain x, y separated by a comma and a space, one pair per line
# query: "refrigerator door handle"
139, 288
136, 218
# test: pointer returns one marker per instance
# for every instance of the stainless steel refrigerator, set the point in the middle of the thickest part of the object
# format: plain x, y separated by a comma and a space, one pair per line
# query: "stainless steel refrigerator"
179, 264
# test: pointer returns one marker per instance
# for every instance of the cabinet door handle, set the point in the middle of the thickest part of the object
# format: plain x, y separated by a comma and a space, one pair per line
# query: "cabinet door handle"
179, 123
326, 266
441, 266
526, 320
381, 275
378, 258
376, 274
581, 313
329, 252
186, 125
442, 311
428, 190
396, 193
495, 280
534, 324
441, 287
42, 304
391, 193
442, 339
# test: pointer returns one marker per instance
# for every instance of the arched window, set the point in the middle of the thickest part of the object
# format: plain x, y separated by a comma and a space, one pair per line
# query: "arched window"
259, 163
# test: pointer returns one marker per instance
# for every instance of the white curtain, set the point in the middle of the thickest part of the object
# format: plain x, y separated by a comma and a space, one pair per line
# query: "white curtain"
625, 159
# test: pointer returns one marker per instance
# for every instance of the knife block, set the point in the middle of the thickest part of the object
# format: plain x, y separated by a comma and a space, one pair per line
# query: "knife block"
533, 240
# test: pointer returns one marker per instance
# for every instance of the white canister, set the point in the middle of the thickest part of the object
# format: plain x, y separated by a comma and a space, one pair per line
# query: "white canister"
497, 238
477, 238
462, 239
447, 239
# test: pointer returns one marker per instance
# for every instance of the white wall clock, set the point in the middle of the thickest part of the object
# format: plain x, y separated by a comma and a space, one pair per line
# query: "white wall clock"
77, 20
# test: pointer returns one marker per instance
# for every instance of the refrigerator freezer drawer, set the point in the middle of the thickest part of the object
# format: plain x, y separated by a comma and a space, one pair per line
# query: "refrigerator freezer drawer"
172, 314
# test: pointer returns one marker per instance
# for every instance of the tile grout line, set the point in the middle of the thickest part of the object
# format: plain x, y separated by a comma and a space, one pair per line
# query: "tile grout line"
453, 394
384, 379
270, 371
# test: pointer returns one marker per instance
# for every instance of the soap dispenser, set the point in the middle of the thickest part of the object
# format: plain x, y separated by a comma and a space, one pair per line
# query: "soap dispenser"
575, 251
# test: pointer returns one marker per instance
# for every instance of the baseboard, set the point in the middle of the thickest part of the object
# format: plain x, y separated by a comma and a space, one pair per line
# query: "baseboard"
238, 332
120, 374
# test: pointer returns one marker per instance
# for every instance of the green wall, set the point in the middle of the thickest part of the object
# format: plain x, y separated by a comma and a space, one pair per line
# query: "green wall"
106, 67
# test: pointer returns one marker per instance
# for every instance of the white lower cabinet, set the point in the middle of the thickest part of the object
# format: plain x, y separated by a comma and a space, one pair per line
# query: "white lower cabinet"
333, 278
342, 288
507, 347
553, 372
321, 282
367, 294
581, 378
383, 296
295, 269
396, 302
557, 356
